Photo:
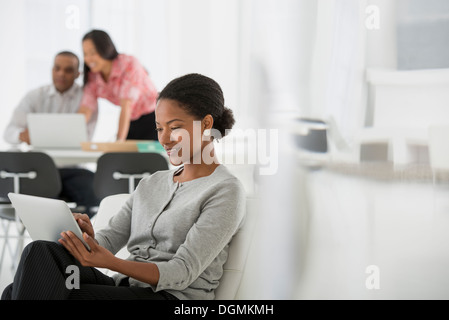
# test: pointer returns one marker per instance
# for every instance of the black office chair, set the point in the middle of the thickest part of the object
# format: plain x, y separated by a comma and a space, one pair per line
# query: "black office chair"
32, 173
120, 172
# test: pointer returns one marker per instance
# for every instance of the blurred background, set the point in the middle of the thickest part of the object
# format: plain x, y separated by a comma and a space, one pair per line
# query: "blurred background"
355, 204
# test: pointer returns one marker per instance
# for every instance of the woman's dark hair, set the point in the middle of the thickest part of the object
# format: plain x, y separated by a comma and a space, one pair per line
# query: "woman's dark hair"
200, 96
104, 46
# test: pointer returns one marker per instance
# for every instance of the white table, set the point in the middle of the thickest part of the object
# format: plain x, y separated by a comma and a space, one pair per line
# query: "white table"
69, 157
402, 141
73, 157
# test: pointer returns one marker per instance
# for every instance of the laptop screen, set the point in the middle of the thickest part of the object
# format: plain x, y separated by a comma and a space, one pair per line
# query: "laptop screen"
57, 130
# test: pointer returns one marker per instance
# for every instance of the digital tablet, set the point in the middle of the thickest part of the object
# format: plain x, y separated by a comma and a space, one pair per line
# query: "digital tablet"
45, 218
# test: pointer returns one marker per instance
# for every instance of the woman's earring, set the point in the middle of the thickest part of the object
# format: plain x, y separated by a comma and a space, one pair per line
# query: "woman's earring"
206, 132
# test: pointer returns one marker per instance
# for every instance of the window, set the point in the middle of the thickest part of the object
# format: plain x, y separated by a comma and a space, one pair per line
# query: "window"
423, 34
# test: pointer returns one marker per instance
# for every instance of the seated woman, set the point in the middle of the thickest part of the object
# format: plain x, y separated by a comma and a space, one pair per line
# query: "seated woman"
176, 225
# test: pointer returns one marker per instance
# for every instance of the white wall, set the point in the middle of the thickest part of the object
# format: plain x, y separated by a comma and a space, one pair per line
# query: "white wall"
203, 37
338, 64
278, 90
346, 43
417, 97
381, 43
12, 81
33, 31
139, 28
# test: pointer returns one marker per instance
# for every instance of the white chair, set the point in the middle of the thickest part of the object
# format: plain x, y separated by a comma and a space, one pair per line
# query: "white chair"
108, 207
238, 253
238, 249
438, 148
438, 153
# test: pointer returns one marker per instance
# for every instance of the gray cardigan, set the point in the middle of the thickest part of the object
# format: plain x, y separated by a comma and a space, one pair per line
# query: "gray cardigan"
184, 228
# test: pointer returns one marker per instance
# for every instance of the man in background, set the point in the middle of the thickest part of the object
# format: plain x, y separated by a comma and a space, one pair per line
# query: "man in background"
62, 96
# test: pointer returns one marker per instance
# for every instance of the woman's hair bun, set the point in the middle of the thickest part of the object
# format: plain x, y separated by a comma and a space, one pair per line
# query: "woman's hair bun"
199, 96
225, 121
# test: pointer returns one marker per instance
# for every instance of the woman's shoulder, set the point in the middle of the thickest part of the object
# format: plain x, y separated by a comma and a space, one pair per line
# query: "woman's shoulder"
161, 175
228, 191
125, 61
224, 177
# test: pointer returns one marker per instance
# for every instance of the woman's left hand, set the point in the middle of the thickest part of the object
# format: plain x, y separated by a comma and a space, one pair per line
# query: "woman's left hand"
98, 256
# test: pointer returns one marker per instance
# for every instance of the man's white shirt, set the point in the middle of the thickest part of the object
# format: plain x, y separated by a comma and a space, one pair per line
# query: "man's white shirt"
46, 99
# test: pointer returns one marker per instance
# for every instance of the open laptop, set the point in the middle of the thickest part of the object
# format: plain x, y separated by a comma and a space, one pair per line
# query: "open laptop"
57, 130
45, 218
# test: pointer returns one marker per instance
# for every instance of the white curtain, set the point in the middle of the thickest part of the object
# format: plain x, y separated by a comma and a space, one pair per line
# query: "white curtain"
138, 28
32, 32
338, 67
278, 60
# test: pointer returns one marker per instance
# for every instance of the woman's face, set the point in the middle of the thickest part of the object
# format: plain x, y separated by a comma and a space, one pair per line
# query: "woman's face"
91, 57
179, 132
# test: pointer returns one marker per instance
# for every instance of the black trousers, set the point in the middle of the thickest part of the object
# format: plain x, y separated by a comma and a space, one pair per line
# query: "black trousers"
143, 128
42, 274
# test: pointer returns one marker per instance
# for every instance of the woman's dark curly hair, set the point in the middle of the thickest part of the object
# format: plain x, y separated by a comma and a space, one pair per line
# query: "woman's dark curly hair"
200, 96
